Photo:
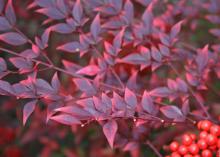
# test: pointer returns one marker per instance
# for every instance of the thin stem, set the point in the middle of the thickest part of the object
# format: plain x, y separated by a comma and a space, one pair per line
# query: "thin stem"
153, 148
191, 91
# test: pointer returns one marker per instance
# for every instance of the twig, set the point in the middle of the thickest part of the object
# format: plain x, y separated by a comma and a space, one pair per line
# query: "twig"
153, 148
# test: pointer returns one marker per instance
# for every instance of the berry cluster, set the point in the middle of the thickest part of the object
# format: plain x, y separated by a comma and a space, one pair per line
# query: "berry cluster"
206, 144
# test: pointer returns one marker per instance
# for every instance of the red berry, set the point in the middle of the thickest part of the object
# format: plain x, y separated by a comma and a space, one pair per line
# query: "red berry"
206, 153
182, 150
193, 149
197, 155
174, 146
213, 147
175, 154
211, 139
186, 139
193, 136
206, 125
218, 143
188, 155
203, 134
202, 144
199, 124
215, 130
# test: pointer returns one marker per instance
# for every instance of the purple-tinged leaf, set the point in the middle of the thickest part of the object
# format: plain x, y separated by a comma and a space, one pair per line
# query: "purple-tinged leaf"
71, 47
45, 37
117, 102
62, 6
62, 28
43, 3
164, 50
95, 27
21, 63
172, 85
147, 103
110, 130
4, 24
192, 79
215, 32
130, 98
75, 111
175, 30
109, 48
145, 53
172, 112
134, 58
65, 119
107, 101
165, 39
101, 107
182, 86
10, 13
3, 65
2, 5
70, 66
6, 88
160, 92
156, 55
52, 13
185, 107
28, 110
77, 11
131, 146
43, 87
13, 38
117, 42
147, 19
202, 58
29, 53
129, 11
89, 70
55, 82
84, 85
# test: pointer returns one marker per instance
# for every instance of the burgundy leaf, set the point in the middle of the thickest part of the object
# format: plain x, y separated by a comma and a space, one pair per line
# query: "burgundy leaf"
181, 85
110, 130
10, 13
202, 58
89, 70
117, 42
117, 102
160, 92
6, 88
172, 84
45, 37
130, 98
172, 112
4, 24
62, 28
28, 110
185, 107
71, 47
129, 11
101, 107
84, 85
13, 38
109, 48
147, 19
21, 63
3, 65
131, 146
65, 119
147, 103
29, 53
164, 50
95, 27
156, 55
134, 58
77, 12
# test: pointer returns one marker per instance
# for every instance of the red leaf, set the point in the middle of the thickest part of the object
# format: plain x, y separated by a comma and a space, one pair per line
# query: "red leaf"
175, 30
129, 11
3, 65
110, 129
71, 47
65, 119
130, 98
156, 55
28, 110
22, 64
134, 58
95, 27
147, 103
118, 102
55, 82
182, 86
101, 107
117, 42
89, 70
131, 146
172, 112
10, 13
13, 38
147, 19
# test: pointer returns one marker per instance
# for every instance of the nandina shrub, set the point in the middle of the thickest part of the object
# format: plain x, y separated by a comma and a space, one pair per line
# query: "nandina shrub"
145, 71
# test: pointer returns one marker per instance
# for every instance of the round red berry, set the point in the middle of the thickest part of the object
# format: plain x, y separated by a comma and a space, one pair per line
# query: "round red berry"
183, 150
175, 154
213, 147
215, 130
199, 124
186, 139
193, 149
218, 143
193, 136
188, 155
206, 153
174, 146
197, 155
211, 139
202, 144
206, 125
203, 134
